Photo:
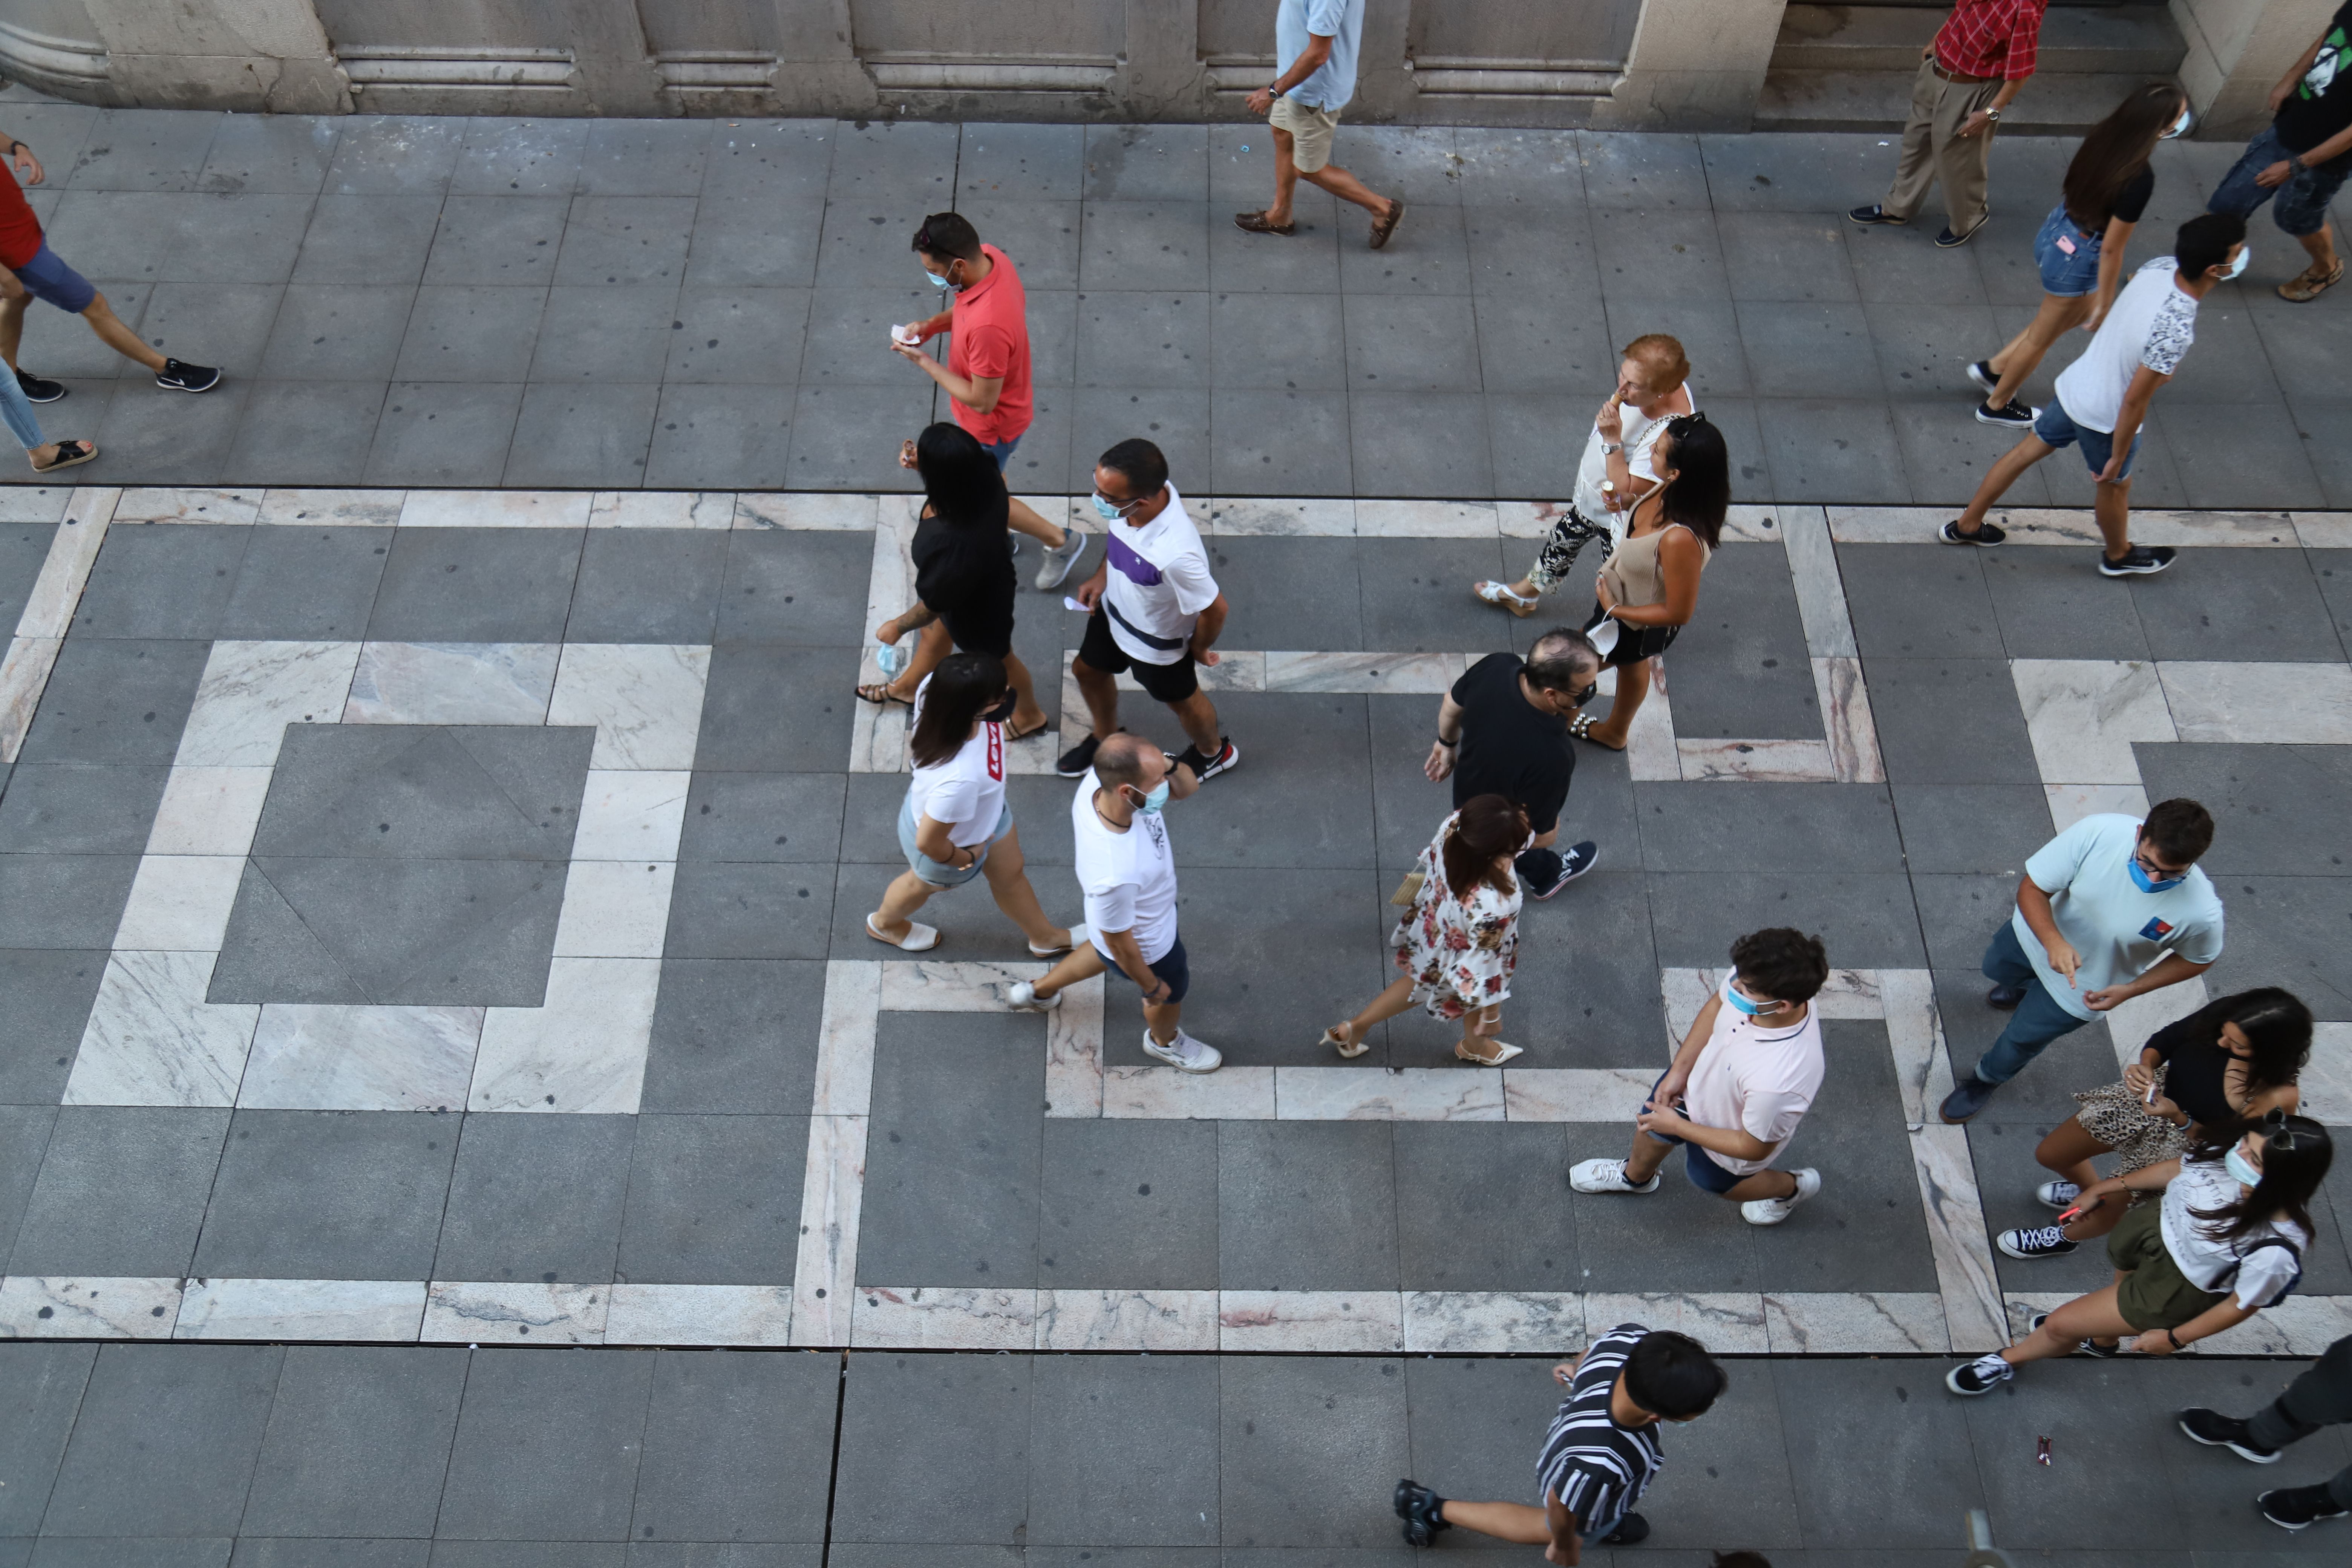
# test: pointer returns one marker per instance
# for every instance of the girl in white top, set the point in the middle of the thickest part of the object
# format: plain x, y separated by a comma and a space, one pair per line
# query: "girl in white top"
954, 824
2228, 1240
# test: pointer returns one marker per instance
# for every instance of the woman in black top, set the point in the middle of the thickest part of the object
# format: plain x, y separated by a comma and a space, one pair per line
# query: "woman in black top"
2080, 249
964, 580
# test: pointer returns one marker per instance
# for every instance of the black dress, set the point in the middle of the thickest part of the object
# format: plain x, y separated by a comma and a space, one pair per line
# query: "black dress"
963, 572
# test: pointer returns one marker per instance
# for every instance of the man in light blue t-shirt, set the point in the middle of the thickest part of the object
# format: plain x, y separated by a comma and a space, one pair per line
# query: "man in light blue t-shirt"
2109, 909
1315, 45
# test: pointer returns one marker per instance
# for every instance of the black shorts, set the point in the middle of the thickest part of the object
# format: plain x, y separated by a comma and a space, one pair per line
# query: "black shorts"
1165, 682
982, 633
1634, 644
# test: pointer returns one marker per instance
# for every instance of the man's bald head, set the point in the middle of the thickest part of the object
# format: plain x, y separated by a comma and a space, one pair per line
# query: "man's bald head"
1126, 759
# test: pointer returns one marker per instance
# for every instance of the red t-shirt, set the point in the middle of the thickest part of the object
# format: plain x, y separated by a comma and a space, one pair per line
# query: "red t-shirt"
992, 342
20, 231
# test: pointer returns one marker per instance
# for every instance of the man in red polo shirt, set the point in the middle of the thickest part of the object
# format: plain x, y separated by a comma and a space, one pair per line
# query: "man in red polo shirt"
45, 275
1972, 70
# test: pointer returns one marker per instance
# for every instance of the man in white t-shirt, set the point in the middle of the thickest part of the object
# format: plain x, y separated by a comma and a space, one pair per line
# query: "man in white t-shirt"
2111, 909
1156, 611
1744, 1076
2103, 396
1126, 870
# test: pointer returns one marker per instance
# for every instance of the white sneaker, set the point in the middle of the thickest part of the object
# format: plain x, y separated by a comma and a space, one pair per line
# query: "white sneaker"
1607, 1177
1056, 565
1187, 1055
2058, 1195
1772, 1211
1022, 997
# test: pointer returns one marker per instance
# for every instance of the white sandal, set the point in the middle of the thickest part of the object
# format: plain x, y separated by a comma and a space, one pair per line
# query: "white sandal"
920, 938
1500, 593
1077, 935
1337, 1038
1503, 1053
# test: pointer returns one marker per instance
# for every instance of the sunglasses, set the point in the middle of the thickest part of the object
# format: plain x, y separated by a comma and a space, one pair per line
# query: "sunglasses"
2275, 1134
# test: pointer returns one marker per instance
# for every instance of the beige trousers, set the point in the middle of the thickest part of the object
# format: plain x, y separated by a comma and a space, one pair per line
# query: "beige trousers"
1933, 151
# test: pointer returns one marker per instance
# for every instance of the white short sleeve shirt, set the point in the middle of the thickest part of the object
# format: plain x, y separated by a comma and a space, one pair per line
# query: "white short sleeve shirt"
1128, 880
2100, 910
967, 791
2253, 1274
1156, 584
2152, 323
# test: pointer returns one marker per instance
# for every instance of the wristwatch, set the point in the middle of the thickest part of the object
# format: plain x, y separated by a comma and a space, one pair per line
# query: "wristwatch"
1990, 112
1611, 448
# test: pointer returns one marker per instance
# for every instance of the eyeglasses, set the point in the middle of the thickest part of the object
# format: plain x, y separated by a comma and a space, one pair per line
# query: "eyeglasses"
2156, 871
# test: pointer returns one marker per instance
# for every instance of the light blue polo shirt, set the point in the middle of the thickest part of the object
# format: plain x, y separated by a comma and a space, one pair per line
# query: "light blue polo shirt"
1342, 22
2118, 930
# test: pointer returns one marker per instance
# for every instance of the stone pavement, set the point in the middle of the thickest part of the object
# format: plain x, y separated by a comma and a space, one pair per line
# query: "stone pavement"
693, 303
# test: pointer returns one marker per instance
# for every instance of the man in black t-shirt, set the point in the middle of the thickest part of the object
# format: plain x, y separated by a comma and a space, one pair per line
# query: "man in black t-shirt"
1503, 729
2303, 157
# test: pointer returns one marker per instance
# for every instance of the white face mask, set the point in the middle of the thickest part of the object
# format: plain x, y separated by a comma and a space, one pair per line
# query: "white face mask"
2245, 254
2179, 126
2242, 1169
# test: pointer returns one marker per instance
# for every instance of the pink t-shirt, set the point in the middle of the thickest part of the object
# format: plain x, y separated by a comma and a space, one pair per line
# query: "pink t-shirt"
1755, 1078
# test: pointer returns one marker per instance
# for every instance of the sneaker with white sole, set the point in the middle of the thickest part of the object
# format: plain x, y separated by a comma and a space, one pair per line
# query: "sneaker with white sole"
1772, 1211
2216, 1430
2300, 1508
1982, 374
1186, 1054
2057, 1194
1982, 1375
1607, 1177
1056, 568
1022, 997
2016, 415
2139, 561
2043, 1241
179, 375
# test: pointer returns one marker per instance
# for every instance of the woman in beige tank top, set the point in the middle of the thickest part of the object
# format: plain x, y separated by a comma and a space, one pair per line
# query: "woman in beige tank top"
1648, 591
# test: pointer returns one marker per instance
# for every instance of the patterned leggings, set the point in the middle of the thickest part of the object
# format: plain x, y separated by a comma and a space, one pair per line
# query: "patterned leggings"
1558, 557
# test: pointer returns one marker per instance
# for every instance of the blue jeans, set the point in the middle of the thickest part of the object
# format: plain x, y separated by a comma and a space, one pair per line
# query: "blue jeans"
2302, 200
17, 410
2066, 276
2038, 1019
1002, 451
2054, 427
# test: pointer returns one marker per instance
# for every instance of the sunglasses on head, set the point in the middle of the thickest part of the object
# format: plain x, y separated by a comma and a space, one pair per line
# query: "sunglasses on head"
2275, 1132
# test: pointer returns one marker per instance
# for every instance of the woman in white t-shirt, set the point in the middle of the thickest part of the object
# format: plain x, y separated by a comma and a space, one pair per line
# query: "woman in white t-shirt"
2228, 1240
954, 824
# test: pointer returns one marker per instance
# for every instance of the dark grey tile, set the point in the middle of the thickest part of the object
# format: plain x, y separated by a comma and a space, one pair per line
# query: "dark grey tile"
1039, 237
1708, 330
1768, 827
357, 1441
305, 584
2052, 605
163, 579
395, 155
568, 434
2054, 1400
286, 153
327, 1552
1660, 256
1892, 1409
374, 238
1977, 828
1515, 167
867, 243
729, 1554
1311, 1450
2241, 605
1786, 256
1278, 442
1480, 1207
1526, 345
166, 1441
412, 792
712, 1200
1131, 339
1154, 244
113, 237
1475, 1426
755, 241
1267, 1241
617, 332
526, 157
477, 333
1429, 255
1618, 1237
1316, 740
1307, 262
1911, 601
444, 434
1740, 669
1146, 163
306, 433
187, 1551
506, 240
643, 157
1424, 444
738, 1449
447, 1553
327, 1194
536, 1198
2282, 934
1175, 419
122, 1192
2245, 454
1925, 348
26, 1128
1865, 919
1405, 345
233, 238
717, 437
846, 437
2276, 803
1863, 1232
2214, 1499
1949, 720
1124, 1452
144, 150
171, 440
63, 900
1416, 595
734, 1036
2043, 1096
468, 584
1128, 1205
1821, 448
1525, 252
1948, 454
739, 335
794, 588
647, 585
763, 817
1532, 463
776, 710
627, 239
773, 158
907, 1469
49, 996
76, 808
548, 1447
1020, 161
43, 1385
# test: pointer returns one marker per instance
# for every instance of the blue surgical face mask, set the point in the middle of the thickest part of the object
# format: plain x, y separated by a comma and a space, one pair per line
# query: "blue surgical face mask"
936, 281
2242, 1169
2245, 254
1731, 995
1106, 510
2147, 884
2179, 126
1155, 800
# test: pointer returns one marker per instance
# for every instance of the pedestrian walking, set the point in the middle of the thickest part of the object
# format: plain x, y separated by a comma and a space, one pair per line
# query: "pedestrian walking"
1601, 1453
1457, 946
1127, 872
1153, 609
1652, 387
16, 409
1747, 1073
1969, 73
2321, 1396
964, 586
2080, 249
2109, 909
2235, 1059
1648, 590
1502, 729
2303, 158
1315, 43
45, 275
2103, 398
955, 823
2228, 1239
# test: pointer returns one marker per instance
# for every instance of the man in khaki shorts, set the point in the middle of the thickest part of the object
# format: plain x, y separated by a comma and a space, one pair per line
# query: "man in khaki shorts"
1316, 42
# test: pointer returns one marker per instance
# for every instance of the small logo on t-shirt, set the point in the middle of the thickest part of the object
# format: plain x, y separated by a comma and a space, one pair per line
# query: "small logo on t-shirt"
995, 752
2157, 930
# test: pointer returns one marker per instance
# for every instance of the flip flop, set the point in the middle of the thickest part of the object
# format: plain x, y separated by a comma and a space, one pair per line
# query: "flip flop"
881, 696
70, 455
1500, 593
1255, 223
1337, 1041
920, 938
1042, 726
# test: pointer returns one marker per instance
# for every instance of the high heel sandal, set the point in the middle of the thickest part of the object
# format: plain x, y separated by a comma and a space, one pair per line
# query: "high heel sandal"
1337, 1038
1500, 593
1503, 1053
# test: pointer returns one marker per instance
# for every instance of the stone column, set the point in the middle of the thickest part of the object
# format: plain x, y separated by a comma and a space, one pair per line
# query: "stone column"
1695, 65
1161, 74
609, 58
816, 60
249, 55
1384, 90
2237, 51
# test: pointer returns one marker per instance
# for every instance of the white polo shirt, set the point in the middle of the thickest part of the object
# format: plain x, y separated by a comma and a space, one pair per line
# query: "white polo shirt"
1754, 1076
1157, 584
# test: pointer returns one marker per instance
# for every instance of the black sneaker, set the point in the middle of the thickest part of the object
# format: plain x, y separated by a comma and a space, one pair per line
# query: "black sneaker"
2216, 1430
2013, 414
1228, 757
1423, 1511
1981, 373
2139, 561
40, 389
1574, 861
1074, 761
1967, 1099
1874, 212
1948, 241
2298, 1507
1632, 1531
2005, 998
2042, 1241
179, 375
1982, 1375
1987, 534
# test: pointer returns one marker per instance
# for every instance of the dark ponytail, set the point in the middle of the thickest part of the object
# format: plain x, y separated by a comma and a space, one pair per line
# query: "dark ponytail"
965, 686
1487, 828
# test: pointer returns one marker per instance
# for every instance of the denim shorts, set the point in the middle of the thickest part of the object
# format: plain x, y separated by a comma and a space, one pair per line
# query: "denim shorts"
47, 277
1001, 452
2066, 277
2055, 429
1705, 1173
932, 871
2302, 200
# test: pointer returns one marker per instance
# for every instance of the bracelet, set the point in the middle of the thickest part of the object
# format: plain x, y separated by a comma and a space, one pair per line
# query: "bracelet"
2175, 1339
2295, 165
1449, 746
14, 148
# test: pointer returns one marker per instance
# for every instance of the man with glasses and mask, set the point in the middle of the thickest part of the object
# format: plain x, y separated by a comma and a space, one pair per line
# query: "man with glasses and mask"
1503, 729
1155, 612
2109, 909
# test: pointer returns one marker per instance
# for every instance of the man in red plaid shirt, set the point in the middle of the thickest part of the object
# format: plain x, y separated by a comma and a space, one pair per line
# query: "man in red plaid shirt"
1980, 59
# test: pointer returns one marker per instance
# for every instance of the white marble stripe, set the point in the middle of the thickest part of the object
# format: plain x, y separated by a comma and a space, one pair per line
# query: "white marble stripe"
24, 674
1820, 587
180, 903
514, 1312
878, 731
2299, 1326
1425, 520
1651, 753
150, 504
1232, 1093
1957, 1235
251, 690
1755, 762
343, 1310
1853, 994
34, 503
1729, 1322
582, 1051
1528, 518
2069, 804
943, 1317
1414, 674
814, 512
2082, 715
1492, 1322
1752, 524
2069, 526
1576, 1094
1855, 1322
496, 508
832, 1195
62, 1307
2326, 1081
322, 1057
1852, 731
2259, 704
614, 909
1683, 993
1237, 670
1846, 994
1073, 1052
918, 985
48, 611
644, 700
2323, 530
298, 508
1392, 1094
209, 811
152, 1039
1915, 1035
451, 683
1332, 518
844, 1052
698, 1315
711, 510
630, 814
1127, 1320
1361, 1322
2131, 1022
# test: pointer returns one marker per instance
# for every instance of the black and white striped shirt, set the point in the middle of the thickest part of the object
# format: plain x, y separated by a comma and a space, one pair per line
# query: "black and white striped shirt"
1596, 1467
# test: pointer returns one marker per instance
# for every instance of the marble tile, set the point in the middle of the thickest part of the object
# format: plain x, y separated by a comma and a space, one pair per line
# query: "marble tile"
819, 513
2224, 530
916, 1316
2040, 525
1651, 754
920, 987
1492, 1322
1282, 518
1853, 733
34, 503
1915, 1035
2069, 804
343, 1310
1757, 761
1032, 756
177, 505
33, 1306
313, 1058
630, 815
1073, 1052
662, 508
878, 731
2259, 704
1425, 520
180, 903
1578, 1094
152, 1039
1235, 671
890, 584
2083, 716
1855, 1322
24, 676
251, 690
1820, 587
583, 1052
496, 508
514, 1312
1127, 1320
209, 811
2130, 1022
1850, 994
452, 683
645, 700
1528, 518
832, 1193
1404, 674
48, 609
1355, 1322
844, 1049
1728, 1323
698, 1315
2326, 1081
2303, 1325
1684, 992
1229, 1094
1753, 525
614, 909
2323, 530
1387, 1094
1884, 524
330, 509
1955, 1231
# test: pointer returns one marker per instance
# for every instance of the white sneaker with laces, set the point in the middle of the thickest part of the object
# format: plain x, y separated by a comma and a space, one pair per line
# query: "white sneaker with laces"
1022, 997
2058, 1195
1772, 1211
1606, 1176
1056, 567
1186, 1054
1982, 1375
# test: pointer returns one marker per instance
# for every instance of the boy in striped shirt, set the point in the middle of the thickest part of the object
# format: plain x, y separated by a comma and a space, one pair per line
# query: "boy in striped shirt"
1600, 1454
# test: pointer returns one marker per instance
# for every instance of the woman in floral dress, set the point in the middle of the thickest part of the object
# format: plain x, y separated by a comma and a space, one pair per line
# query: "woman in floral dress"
1457, 946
